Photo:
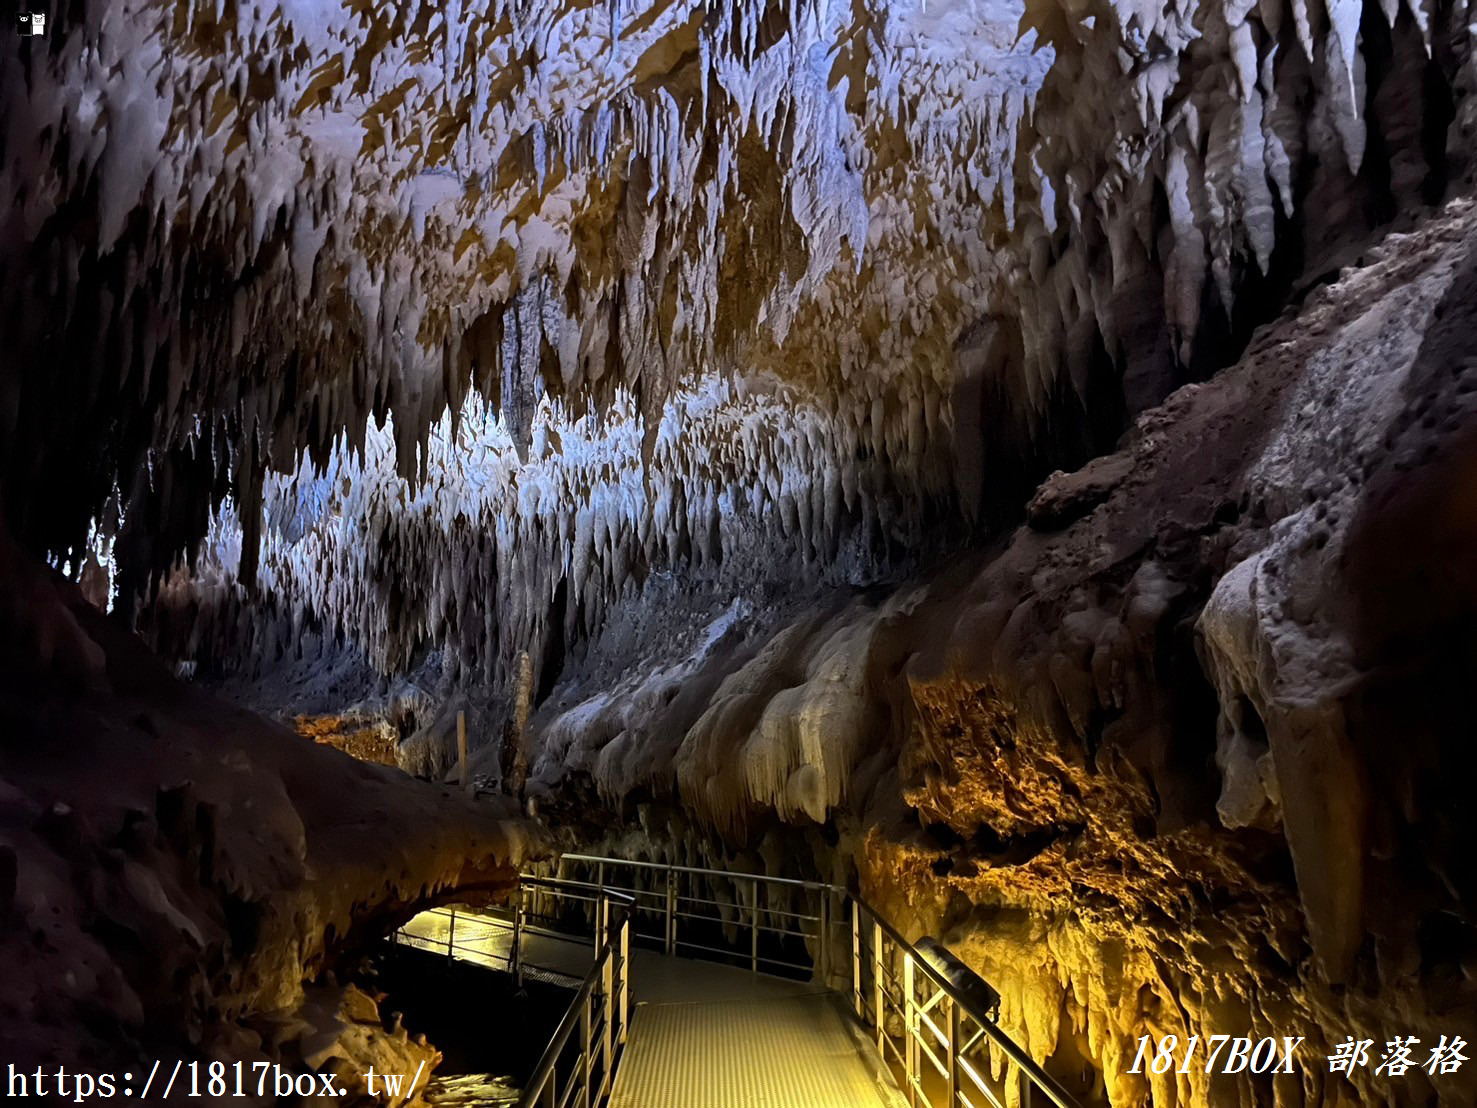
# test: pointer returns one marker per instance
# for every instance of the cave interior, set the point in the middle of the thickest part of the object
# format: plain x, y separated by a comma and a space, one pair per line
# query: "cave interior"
1011, 461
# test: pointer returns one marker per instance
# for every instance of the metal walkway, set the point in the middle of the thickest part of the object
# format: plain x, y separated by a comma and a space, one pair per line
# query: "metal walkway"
701, 1035
749, 1042
834, 1008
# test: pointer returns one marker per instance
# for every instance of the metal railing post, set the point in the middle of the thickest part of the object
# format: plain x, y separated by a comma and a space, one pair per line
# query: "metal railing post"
824, 923
451, 935
625, 973
878, 1015
602, 919
607, 1046
910, 1014
515, 953
586, 1043
953, 1052
856, 959
754, 932
671, 910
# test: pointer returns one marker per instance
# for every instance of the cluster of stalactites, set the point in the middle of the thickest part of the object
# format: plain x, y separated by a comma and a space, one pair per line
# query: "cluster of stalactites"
490, 552
259, 227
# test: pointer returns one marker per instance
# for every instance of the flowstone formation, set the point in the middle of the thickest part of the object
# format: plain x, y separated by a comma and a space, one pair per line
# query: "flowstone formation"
183, 880
1182, 757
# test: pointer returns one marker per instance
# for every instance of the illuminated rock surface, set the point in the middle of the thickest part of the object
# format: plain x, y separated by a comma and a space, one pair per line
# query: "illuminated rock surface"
179, 876
1182, 766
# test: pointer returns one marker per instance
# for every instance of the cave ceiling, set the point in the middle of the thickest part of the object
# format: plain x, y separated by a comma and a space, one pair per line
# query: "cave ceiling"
1015, 455
323, 288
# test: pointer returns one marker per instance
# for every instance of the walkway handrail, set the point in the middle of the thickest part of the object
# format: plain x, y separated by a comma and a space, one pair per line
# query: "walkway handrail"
776, 935
602, 1030
964, 1006
632, 863
922, 1034
944, 1011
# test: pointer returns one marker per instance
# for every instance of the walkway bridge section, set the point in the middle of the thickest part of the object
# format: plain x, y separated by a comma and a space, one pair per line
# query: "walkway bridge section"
700, 988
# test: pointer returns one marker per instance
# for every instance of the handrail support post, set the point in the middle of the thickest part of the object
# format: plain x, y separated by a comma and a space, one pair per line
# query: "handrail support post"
954, 1040
625, 973
823, 954
856, 958
754, 920
879, 1017
515, 954
586, 1048
602, 919
607, 985
910, 1033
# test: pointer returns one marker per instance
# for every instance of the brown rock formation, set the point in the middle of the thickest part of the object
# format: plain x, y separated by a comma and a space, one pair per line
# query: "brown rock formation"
176, 870
655, 374
1191, 763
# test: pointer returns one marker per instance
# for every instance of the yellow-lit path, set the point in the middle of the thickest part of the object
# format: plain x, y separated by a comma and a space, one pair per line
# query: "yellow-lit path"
707, 1036
669, 1027
704, 1035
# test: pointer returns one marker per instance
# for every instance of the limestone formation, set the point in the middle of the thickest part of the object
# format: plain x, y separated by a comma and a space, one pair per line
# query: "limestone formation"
182, 878
1179, 762
1010, 456
401, 315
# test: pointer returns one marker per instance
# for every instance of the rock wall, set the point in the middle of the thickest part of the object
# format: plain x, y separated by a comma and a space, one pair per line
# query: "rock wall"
1188, 753
181, 879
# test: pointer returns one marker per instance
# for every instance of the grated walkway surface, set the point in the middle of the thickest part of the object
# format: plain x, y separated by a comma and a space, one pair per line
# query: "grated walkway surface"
740, 1041
702, 1035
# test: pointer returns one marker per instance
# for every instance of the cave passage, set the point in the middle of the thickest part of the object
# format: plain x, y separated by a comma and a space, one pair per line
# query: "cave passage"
801, 554
489, 1028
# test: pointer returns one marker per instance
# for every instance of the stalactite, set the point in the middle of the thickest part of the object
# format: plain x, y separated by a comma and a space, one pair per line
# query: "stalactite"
449, 340
1182, 757
387, 187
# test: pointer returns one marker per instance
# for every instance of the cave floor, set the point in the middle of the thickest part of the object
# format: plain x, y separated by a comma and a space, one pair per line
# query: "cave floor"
707, 1036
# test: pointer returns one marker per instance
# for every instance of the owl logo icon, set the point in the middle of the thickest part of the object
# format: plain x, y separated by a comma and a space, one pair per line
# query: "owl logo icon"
32, 24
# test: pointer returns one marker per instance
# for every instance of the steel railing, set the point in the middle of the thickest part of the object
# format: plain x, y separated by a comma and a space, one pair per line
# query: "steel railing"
769, 923
934, 1023
932, 1017
481, 937
577, 1069
579, 1065
496, 937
